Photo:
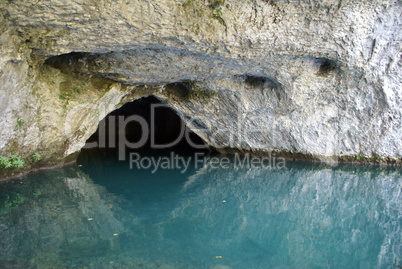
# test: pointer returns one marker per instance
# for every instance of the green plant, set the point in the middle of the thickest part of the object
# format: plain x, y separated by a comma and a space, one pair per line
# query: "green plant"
360, 156
217, 14
36, 156
13, 161
19, 124
65, 96
76, 90
16, 161
4, 161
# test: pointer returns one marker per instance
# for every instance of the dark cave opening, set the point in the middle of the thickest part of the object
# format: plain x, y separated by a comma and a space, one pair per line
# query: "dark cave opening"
147, 126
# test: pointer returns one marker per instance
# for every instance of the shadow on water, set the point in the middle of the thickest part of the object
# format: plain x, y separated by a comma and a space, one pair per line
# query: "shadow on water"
301, 216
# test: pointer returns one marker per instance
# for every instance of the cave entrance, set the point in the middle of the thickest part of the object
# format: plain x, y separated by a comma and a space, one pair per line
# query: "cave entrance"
147, 126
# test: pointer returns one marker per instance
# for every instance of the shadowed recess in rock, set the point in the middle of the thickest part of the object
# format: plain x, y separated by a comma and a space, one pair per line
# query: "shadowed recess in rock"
326, 66
149, 123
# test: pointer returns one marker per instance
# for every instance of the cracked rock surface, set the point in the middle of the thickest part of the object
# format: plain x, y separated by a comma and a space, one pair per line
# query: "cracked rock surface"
313, 77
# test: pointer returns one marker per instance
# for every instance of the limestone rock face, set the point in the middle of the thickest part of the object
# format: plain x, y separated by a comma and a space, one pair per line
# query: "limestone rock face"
319, 78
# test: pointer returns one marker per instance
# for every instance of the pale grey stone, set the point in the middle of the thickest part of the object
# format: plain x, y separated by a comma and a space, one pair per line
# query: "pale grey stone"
312, 77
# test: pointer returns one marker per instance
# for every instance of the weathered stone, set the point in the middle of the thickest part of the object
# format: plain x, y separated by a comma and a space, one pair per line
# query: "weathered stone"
318, 78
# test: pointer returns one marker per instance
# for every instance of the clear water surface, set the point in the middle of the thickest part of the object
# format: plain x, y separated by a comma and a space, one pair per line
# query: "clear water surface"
104, 215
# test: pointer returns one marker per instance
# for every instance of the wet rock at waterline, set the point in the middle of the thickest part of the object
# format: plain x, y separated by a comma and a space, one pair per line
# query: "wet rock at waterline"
320, 79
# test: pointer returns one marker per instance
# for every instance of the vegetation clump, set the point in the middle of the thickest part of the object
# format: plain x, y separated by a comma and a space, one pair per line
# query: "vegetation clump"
76, 90
36, 157
15, 161
19, 124
214, 8
374, 159
217, 14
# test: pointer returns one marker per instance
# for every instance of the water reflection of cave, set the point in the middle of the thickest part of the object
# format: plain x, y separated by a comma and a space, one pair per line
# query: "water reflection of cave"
167, 125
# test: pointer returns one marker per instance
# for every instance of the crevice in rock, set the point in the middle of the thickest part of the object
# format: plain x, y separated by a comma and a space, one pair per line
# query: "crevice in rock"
85, 66
263, 82
326, 66
188, 90
73, 62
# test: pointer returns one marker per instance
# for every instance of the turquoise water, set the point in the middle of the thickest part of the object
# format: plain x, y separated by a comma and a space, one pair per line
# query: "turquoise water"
104, 215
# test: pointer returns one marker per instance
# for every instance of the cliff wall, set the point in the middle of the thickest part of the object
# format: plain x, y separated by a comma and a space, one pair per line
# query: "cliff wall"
316, 78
